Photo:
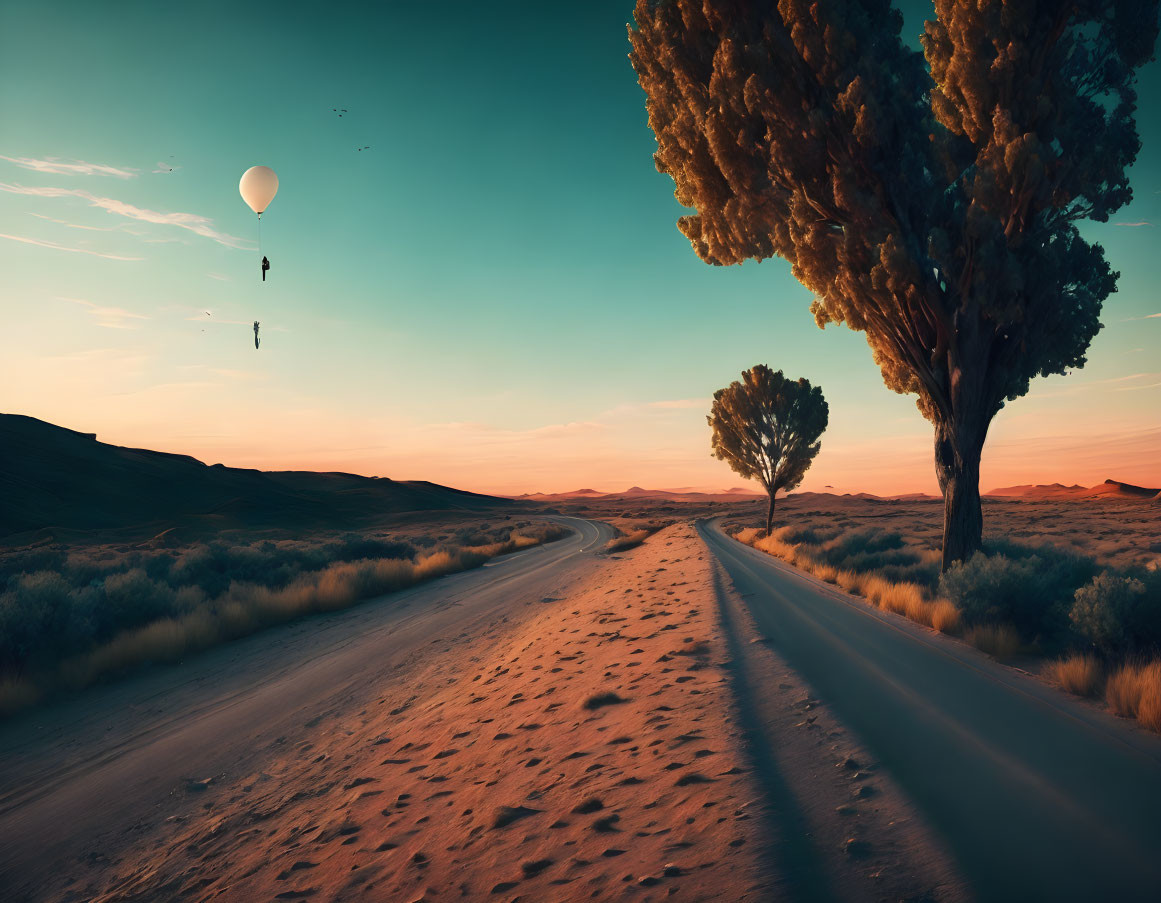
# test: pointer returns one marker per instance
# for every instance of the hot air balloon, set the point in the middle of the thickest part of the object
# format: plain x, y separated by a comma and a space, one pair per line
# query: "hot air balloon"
258, 186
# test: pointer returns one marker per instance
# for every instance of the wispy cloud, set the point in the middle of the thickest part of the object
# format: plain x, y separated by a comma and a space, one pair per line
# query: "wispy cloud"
1129, 378
109, 317
645, 407
1146, 317
166, 167
199, 225
678, 404
1078, 387
76, 168
61, 222
1135, 388
204, 317
1143, 222
240, 375
56, 247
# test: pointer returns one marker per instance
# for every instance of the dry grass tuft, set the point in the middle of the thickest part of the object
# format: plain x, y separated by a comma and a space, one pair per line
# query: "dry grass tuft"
902, 598
1000, 641
945, 616
850, 581
772, 545
1079, 673
1134, 691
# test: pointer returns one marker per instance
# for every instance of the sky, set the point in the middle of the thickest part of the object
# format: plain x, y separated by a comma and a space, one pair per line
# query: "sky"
493, 294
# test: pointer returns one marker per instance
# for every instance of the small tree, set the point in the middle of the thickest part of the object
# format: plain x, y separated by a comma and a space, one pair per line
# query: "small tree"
929, 200
766, 427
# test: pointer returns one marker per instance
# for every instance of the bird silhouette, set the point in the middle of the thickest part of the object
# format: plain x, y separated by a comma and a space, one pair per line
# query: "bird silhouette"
365, 147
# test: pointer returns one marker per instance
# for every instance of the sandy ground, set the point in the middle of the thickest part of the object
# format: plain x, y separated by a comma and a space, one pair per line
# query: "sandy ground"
627, 736
587, 753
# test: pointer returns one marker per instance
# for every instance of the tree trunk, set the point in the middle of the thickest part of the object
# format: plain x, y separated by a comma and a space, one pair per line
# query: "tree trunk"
770, 512
957, 464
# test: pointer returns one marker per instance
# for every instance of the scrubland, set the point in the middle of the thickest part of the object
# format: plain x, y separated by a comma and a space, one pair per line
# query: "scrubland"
1073, 592
72, 615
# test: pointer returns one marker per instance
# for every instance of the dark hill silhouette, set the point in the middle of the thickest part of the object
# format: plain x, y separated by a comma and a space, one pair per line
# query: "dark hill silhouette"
56, 479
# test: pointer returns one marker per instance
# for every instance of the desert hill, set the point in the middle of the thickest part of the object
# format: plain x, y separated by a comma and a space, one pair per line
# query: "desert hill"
1109, 489
62, 480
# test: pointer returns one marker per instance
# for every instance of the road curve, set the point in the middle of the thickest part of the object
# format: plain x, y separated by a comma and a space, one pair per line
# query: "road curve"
1036, 796
80, 778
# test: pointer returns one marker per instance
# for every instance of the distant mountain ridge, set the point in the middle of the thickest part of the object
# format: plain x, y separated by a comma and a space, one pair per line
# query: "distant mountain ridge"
60, 479
636, 492
1109, 489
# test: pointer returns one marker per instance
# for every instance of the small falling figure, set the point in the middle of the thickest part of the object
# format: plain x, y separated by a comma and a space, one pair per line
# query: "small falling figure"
265, 267
256, 340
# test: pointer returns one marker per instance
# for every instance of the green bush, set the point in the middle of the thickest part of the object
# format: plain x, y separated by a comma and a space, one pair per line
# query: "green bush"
881, 552
1120, 613
1031, 589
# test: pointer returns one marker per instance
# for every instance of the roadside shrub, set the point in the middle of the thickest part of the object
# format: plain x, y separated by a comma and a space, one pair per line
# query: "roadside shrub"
1030, 590
132, 599
41, 618
808, 535
863, 542
1119, 613
846, 560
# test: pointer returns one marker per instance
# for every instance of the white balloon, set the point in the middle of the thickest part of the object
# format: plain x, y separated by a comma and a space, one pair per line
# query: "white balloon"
258, 186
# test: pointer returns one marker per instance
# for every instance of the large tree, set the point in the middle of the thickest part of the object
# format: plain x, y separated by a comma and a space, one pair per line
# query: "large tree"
766, 427
931, 205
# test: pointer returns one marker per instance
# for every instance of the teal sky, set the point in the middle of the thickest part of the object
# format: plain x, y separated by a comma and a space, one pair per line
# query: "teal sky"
493, 295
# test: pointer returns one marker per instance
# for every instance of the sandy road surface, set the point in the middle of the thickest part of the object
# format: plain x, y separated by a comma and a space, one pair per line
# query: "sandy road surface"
1036, 797
80, 780
578, 747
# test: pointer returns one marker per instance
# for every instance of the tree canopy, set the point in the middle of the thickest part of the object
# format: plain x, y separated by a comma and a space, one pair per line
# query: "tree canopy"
767, 427
929, 200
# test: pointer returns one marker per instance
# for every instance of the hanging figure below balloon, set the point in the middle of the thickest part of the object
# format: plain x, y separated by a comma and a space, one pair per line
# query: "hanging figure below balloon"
255, 335
265, 267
